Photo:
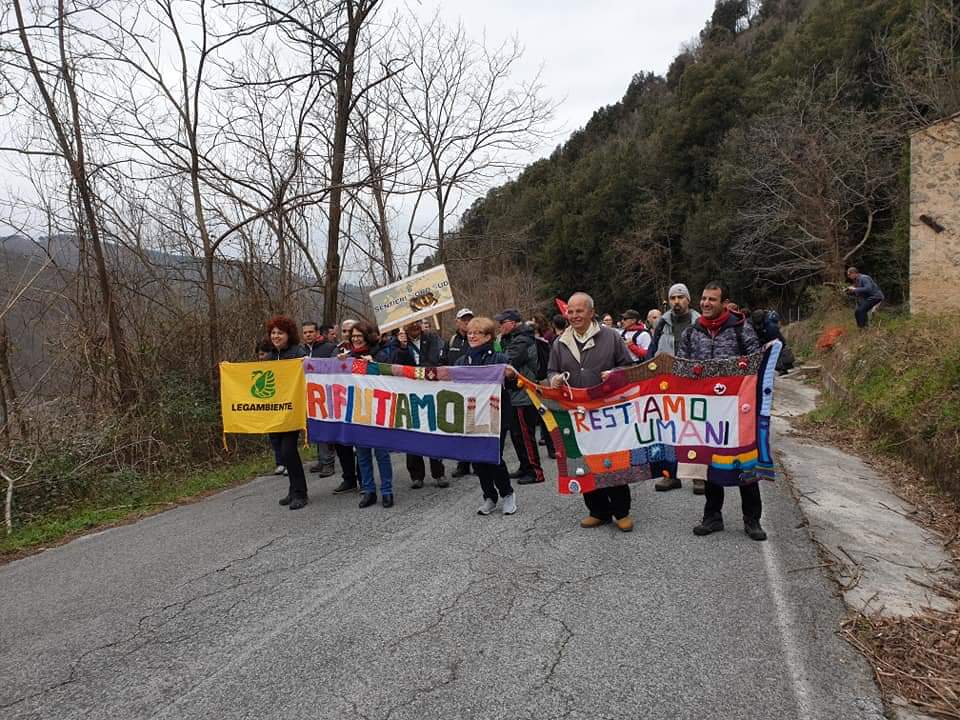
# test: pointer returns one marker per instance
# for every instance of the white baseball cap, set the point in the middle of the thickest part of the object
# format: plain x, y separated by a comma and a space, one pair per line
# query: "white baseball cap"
464, 312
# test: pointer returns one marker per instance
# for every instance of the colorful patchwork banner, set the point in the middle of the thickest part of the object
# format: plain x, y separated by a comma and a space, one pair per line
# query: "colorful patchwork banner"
710, 417
262, 397
445, 412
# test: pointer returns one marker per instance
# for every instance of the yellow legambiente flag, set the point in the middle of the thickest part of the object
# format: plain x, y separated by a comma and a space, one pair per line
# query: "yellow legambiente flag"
263, 397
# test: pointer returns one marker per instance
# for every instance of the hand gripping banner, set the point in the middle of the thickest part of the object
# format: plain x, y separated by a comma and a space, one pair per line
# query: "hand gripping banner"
712, 418
443, 412
262, 397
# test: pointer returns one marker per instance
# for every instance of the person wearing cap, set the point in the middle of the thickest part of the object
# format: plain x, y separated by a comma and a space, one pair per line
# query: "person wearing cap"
519, 345
635, 335
584, 356
453, 350
666, 339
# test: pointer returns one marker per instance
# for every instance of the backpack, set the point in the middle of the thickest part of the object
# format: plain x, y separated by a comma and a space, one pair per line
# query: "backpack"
543, 358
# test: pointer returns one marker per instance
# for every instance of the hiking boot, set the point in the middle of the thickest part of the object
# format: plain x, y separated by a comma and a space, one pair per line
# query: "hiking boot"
368, 499
416, 483
709, 525
298, 502
517, 474
442, 482
345, 486
285, 500
487, 507
387, 501
625, 524
280, 470
528, 480
461, 470
699, 487
667, 483
591, 522
753, 529
510, 504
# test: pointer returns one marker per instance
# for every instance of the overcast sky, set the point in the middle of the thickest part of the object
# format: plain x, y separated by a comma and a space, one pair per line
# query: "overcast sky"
588, 51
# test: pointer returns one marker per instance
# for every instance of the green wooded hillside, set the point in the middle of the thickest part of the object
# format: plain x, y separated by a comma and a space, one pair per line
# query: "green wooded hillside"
773, 153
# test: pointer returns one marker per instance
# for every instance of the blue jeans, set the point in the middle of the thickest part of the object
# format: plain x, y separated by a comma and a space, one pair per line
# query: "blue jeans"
365, 461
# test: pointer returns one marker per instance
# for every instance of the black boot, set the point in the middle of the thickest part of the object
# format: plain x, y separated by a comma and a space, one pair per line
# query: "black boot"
285, 500
752, 528
387, 501
708, 525
368, 499
298, 502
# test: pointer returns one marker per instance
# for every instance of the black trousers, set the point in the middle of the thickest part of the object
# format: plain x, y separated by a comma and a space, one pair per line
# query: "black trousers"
749, 499
494, 479
605, 503
348, 462
418, 470
861, 313
523, 425
291, 461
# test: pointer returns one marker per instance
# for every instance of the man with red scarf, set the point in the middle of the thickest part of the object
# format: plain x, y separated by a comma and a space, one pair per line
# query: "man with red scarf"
722, 333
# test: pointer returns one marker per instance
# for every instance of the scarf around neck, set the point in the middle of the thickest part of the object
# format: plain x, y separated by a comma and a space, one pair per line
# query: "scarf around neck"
716, 325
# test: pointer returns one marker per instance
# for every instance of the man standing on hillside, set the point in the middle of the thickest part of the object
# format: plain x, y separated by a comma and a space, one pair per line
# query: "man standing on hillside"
583, 356
520, 347
453, 349
867, 292
666, 337
720, 333
316, 345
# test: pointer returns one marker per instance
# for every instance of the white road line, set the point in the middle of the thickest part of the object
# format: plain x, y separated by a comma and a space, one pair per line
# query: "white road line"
787, 625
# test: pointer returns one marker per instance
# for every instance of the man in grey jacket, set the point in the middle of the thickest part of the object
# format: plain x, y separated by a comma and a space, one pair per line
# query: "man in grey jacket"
666, 336
583, 356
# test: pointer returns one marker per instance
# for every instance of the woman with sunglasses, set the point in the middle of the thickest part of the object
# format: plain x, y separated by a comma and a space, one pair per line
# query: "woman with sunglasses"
365, 345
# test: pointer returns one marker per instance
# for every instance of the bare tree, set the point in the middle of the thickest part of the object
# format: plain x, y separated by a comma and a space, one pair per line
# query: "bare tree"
472, 120
54, 79
810, 183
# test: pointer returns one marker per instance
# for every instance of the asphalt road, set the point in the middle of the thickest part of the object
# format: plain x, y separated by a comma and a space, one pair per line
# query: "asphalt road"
235, 607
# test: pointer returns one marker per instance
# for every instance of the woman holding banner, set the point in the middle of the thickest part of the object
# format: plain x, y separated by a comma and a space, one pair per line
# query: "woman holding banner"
285, 339
364, 345
494, 479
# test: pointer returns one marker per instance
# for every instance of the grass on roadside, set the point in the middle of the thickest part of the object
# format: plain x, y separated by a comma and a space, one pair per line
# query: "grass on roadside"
156, 494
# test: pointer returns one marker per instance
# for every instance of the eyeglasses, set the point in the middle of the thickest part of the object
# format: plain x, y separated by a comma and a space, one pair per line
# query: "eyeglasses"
356, 337
476, 332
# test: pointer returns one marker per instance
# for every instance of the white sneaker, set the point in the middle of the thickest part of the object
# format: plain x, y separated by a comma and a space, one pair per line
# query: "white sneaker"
510, 504
280, 470
487, 507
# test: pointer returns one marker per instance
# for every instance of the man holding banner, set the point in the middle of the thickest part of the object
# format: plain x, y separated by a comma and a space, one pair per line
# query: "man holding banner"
720, 333
583, 356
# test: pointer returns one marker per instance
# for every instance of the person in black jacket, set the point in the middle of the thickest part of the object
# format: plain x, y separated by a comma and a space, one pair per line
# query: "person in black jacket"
286, 345
520, 347
421, 349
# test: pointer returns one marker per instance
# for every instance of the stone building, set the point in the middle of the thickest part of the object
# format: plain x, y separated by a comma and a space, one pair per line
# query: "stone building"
935, 217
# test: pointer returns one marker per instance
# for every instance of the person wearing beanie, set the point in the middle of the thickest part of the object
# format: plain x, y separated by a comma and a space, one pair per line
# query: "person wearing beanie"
666, 337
